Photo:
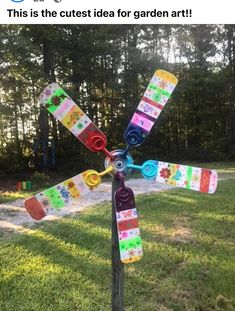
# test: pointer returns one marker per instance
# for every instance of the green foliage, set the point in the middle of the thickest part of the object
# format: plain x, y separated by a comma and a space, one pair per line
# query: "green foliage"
10, 196
188, 262
106, 69
40, 180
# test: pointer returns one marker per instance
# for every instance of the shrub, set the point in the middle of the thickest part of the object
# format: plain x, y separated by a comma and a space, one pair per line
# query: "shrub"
40, 180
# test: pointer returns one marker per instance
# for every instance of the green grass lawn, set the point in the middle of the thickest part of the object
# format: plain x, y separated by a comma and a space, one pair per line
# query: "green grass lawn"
10, 196
188, 264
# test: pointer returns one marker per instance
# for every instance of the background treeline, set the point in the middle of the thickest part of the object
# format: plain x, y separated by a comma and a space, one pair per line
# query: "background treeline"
106, 69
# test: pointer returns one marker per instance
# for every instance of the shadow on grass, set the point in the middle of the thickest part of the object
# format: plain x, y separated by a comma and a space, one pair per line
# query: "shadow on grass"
65, 265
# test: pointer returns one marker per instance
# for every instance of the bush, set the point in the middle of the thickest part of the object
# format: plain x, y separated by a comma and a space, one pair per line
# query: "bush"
40, 180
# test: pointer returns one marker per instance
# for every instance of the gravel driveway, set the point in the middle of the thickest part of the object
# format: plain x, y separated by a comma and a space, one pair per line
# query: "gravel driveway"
13, 215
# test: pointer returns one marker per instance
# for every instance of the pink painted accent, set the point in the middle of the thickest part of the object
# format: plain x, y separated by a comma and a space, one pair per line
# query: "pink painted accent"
123, 235
213, 182
128, 234
142, 122
64, 108
127, 214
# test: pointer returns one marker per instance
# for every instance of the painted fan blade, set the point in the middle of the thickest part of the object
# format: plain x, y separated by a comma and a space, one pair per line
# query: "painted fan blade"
64, 109
189, 177
61, 195
155, 98
130, 244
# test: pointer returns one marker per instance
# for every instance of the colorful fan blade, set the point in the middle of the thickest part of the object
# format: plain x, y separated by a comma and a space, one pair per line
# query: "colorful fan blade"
64, 109
155, 98
189, 177
61, 195
130, 244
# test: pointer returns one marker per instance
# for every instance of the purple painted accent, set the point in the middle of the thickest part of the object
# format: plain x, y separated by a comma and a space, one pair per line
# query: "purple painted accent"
145, 115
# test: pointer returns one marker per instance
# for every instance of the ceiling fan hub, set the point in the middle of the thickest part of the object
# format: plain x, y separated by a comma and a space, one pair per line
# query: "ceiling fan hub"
119, 162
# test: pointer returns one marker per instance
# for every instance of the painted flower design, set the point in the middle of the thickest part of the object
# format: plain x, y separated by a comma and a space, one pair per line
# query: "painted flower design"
127, 214
45, 203
77, 195
165, 173
172, 182
149, 93
64, 193
80, 126
157, 97
123, 235
195, 178
173, 166
131, 253
56, 100
71, 185
162, 84
48, 92
163, 99
74, 116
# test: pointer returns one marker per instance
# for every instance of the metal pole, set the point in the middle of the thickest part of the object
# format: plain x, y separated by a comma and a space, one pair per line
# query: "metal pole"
117, 265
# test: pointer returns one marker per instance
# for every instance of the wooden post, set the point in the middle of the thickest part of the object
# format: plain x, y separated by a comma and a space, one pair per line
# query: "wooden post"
117, 265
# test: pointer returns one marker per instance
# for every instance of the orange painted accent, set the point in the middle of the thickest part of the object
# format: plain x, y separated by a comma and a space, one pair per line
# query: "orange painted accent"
166, 76
34, 208
132, 259
71, 186
71, 118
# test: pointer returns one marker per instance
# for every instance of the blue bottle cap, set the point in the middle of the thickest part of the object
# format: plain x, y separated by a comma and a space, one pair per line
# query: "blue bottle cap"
134, 135
149, 169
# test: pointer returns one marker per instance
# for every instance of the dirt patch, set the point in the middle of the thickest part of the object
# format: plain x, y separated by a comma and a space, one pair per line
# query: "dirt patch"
183, 299
223, 302
8, 228
14, 214
162, 308
181, 232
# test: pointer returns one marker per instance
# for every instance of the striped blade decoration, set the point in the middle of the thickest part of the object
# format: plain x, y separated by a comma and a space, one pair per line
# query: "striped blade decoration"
155, 98
189, 177
59, 196
64, 109
130, 244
